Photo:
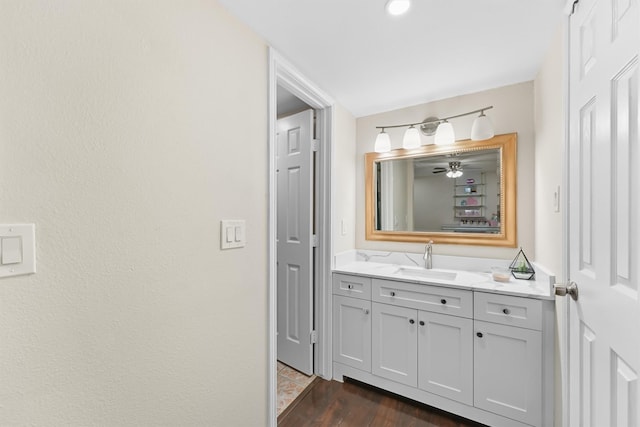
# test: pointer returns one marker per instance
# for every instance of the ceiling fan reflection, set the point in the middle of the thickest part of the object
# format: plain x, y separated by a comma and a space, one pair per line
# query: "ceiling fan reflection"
453, 171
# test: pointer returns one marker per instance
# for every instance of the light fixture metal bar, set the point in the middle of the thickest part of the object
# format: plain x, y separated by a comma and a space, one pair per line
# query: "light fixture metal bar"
480, 110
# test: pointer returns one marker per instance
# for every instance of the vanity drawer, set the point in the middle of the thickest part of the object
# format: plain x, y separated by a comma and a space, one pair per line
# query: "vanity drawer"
508, 310
437, 299
352, 286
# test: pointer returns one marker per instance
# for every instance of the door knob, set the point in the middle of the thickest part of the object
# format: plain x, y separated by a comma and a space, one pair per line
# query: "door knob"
570, 289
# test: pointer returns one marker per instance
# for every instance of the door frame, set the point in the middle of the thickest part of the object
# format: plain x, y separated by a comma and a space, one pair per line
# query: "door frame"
283, 73
562, 304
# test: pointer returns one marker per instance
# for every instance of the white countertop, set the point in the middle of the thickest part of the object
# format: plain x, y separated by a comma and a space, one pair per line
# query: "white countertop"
473, 274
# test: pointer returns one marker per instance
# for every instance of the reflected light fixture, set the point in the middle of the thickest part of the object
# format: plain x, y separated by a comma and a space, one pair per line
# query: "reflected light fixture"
411, 138
383, 142
443, 130
455, 170
397, 7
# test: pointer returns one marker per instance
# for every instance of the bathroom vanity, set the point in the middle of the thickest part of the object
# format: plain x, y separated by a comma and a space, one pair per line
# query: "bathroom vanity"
450, 338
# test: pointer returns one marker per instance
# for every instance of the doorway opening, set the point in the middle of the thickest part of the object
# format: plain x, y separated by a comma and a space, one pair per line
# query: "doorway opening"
284, 79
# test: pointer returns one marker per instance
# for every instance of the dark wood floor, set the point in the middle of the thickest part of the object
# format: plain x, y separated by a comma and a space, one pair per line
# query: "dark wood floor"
330, 403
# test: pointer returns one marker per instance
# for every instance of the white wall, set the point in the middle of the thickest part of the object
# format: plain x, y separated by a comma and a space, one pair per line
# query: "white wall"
128, 130
512, 112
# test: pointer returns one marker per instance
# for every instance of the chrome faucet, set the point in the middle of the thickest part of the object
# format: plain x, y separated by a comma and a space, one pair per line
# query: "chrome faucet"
428, 250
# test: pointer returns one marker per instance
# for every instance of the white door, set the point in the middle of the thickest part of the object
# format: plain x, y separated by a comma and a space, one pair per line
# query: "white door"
295, 241
604, 214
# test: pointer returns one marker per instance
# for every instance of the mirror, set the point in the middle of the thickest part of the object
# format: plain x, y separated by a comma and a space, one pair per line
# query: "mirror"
459, 194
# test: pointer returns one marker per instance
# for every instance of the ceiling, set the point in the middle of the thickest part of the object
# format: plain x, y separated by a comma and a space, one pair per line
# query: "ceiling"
371, 62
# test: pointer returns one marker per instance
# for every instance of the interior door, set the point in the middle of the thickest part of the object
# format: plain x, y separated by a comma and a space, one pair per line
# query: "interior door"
604, 219
295, 241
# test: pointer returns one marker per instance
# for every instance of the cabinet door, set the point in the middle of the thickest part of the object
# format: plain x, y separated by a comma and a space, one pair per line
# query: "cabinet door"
508, 371
445, 356
395, 343
352, 332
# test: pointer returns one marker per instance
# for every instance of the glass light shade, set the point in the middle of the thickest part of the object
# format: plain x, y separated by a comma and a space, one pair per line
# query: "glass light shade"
397, 7
383, 143
445, 134
454, 174
481, 128
411, 138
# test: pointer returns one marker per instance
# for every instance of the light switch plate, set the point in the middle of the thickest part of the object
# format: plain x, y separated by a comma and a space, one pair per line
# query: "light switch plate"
232, 233
17, 249
556, 199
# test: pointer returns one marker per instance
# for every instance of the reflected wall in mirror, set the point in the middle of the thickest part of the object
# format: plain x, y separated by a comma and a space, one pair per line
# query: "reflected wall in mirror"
462, 194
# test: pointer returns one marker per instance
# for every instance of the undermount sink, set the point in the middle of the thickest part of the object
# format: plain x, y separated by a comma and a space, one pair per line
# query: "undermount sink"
427, 274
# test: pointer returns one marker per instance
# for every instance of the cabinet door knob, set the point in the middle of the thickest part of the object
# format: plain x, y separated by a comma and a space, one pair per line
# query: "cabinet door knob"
506, 311
443, 301
412, 321
421, 323
393, 294
366, 310
479, 334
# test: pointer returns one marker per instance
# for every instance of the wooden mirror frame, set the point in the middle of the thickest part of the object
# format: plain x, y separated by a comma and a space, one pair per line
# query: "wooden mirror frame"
506, 238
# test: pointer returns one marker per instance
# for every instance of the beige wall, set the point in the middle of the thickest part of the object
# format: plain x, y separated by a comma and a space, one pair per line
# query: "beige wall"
549, 154
343, 180
550, 137
512, 112
128, 130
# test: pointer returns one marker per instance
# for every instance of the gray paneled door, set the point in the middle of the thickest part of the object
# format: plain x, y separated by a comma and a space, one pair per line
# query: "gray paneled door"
295, 241
604, 214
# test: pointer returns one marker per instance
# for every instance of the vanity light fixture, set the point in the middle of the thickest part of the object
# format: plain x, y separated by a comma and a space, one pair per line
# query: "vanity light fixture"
383, 142
443, 130
411, 138
397, 7
445, 134
482, 128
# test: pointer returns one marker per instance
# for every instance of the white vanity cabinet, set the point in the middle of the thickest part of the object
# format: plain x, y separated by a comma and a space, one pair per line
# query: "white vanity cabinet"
507, 358
352, 332
352, 321
445, 348
429, 345
482, 355
395, 343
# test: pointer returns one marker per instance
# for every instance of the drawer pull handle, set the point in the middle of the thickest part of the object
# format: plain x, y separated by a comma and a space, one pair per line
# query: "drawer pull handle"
366, 310
412, 321
393, 294
479, 334
422, 323
443, 301
506, 311
349, 286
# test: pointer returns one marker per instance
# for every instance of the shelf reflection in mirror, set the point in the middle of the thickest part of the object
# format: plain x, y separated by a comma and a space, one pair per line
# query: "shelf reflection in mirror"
463, 193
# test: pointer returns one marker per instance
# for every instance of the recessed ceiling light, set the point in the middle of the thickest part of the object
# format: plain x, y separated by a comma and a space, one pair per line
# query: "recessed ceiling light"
397, 7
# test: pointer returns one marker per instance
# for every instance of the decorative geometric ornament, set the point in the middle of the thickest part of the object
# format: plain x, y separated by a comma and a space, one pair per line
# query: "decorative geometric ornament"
521, 267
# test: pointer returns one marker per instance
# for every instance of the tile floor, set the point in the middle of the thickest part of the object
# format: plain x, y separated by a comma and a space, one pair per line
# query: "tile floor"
290, 384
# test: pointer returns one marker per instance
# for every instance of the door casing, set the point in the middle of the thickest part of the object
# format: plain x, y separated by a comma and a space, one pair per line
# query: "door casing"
282, 73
